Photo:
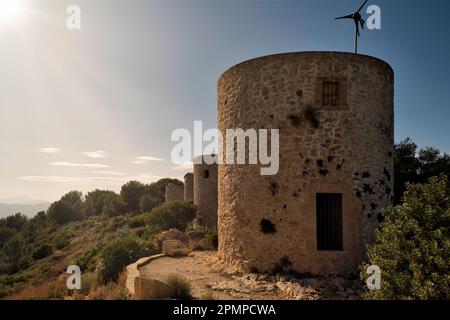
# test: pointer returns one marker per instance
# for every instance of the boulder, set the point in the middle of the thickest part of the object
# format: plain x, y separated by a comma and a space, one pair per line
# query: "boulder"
172, 234
174, 248
148, 289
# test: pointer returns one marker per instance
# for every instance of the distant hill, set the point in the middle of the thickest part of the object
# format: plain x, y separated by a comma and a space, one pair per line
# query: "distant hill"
29, 209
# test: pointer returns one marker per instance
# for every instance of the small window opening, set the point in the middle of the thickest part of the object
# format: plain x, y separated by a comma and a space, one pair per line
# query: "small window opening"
330, 93
329, 222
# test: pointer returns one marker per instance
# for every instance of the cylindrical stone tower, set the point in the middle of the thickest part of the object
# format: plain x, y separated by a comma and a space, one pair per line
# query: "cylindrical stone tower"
174, 192
205, 191
336, 120
189, 187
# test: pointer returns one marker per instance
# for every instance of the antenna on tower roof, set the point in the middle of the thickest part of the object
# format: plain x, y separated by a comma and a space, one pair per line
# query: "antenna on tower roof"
358, 21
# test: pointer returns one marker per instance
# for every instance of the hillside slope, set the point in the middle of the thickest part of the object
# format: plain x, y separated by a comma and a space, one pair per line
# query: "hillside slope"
77, 243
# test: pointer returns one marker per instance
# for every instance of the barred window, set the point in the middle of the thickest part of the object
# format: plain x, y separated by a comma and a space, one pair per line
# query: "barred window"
330, 93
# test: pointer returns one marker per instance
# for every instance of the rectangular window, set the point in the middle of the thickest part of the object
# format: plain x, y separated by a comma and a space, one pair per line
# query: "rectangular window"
330, 93
206, 173
329, 222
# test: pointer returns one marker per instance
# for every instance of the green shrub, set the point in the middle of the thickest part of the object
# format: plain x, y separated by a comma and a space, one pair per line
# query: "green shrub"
114, 206
60, 241
413, 245
95, 201
151, 232
139, 231
42, 252
87, 261
132, 193
202, 238
75, 199
176, 215
3, 292
148, 202
417, 166
6, 233
17, 221
136, 222
4, 267
15, 254
8, 280
117, 255
63, 212
117, 223
40, 220
211, 239
181, 286
69, 208
196, 231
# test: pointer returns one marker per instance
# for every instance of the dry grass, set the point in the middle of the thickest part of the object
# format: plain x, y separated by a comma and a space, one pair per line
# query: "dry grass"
55, 289
110, 291
88, 281
181, 285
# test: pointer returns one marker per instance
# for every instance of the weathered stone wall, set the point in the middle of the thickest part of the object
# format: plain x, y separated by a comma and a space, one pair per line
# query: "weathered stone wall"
189, 187
174, 192
205, 193
345, 149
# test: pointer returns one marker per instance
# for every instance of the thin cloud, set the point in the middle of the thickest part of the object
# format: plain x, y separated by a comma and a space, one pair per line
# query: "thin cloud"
96, 181
96, 154
73, 164
109, 173
50, 150
68, 179
183, 166
145, 159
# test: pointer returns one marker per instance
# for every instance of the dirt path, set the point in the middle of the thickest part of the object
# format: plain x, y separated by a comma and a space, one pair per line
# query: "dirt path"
207, 281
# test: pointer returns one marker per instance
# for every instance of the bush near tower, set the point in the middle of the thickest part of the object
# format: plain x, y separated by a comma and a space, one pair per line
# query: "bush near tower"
413, 245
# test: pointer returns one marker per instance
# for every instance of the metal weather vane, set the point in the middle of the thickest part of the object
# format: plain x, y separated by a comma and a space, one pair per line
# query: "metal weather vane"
357, 18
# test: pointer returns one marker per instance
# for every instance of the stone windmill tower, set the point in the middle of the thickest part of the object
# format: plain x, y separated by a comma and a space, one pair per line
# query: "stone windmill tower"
335, 114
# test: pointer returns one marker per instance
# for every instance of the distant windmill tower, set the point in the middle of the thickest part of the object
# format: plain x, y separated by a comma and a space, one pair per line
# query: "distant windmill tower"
358, 21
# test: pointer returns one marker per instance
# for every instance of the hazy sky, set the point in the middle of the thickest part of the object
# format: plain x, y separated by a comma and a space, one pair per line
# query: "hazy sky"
94, 108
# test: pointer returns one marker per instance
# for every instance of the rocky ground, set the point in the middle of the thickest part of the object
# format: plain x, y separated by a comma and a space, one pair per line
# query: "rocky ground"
208, 281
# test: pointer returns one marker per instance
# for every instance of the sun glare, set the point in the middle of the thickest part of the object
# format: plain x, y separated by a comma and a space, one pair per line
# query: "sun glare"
11, 11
